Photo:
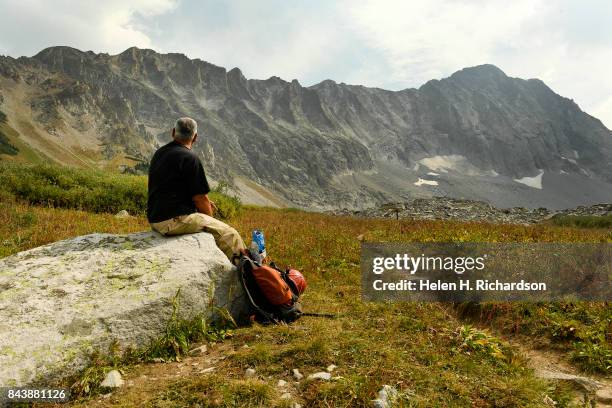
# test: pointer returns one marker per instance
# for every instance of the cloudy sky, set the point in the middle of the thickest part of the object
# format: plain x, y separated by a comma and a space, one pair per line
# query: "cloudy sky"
392, 44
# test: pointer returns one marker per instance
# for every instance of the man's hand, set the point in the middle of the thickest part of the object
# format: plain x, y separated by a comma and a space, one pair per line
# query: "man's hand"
203, 204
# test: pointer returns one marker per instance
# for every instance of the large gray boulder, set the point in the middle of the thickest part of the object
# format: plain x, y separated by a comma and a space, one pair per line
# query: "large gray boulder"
60, 302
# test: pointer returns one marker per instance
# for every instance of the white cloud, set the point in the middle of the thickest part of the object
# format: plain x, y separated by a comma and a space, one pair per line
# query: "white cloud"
97, 25
422, 40
564, 43
260, 38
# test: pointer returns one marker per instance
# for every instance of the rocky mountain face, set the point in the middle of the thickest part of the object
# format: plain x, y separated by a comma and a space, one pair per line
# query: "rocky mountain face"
478, 134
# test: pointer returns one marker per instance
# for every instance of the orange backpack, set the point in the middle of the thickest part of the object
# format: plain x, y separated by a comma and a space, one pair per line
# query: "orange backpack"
272, 295
272, 285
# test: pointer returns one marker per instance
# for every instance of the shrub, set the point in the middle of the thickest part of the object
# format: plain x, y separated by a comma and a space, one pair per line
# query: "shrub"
472, 340
593, 357
583, 221
228, 206
89, 190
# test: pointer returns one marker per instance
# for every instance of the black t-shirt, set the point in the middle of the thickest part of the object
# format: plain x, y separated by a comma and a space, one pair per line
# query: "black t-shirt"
175, 176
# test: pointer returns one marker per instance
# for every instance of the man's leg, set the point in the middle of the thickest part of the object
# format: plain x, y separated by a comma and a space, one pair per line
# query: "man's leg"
176, 226
226, 237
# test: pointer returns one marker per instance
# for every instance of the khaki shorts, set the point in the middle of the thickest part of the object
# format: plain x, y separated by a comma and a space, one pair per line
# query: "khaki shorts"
226, 237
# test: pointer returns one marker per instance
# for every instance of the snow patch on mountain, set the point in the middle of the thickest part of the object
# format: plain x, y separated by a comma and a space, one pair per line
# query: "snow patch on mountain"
534, 182
421, 182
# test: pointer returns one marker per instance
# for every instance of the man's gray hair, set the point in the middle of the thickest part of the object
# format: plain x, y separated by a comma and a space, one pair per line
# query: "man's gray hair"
184, 129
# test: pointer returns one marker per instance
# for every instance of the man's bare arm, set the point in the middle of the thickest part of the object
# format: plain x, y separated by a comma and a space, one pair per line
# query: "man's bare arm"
204, 204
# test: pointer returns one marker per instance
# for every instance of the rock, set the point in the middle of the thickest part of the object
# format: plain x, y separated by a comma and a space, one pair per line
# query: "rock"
198, 351
297, 375
386, 397
331, 368
112, 380
446, 208
296, 405
604, 395
122, 214
62, 301
250, 372
281, 383
285, 395
320, 376
377, 403
207, 370
587, 383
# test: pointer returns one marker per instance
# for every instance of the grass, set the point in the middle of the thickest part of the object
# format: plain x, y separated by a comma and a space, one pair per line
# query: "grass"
428, 351
580, 329
583, 221
23, 226
213, 391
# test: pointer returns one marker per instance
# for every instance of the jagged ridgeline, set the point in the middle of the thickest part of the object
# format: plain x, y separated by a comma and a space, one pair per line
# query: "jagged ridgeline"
89, 190
478, 134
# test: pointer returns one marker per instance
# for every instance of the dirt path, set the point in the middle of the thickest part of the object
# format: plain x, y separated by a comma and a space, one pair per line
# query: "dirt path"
591, 390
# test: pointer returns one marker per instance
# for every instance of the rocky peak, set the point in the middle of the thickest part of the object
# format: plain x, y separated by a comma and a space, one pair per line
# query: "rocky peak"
325, 84
60, 51
482, 72
275, 80
237, 84
62, 57
134, 56
235, 77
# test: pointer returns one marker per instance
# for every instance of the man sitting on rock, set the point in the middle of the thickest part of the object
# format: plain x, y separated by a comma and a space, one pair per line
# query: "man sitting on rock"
178, 200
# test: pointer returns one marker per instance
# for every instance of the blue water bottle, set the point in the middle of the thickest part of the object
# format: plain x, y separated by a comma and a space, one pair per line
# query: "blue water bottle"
258, 238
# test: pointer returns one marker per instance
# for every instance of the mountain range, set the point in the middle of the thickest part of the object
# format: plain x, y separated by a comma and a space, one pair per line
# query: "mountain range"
477, 134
